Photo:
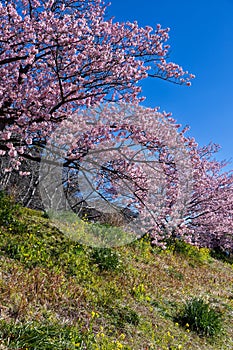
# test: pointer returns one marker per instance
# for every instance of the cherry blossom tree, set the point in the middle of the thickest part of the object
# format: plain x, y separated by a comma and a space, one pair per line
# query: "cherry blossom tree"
209, 212
126, 157
61, 63
59, 56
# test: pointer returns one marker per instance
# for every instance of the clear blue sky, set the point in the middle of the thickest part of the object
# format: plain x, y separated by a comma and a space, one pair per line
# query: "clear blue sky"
201, 40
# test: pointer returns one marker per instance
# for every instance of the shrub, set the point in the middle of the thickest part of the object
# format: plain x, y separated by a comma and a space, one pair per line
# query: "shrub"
201, 318
223, 255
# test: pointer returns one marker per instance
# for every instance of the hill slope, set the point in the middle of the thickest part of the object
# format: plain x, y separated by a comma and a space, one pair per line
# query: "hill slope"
58, 294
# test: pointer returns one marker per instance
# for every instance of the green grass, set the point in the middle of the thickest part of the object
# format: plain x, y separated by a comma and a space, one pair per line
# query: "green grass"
37, 336
56, 293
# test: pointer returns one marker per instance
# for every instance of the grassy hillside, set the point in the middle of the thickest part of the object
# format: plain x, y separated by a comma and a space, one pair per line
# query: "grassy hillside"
58, 294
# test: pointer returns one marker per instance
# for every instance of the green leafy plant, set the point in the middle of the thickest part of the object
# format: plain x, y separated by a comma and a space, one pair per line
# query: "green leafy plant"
200, 317
105, 258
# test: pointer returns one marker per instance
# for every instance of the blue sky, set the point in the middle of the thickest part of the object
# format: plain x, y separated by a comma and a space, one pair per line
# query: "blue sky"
201, 40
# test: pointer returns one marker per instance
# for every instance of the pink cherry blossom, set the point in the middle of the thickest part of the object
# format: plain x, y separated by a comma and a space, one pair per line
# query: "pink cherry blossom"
59, 61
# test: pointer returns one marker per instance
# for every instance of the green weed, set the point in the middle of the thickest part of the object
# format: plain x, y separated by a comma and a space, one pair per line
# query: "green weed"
200, 317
